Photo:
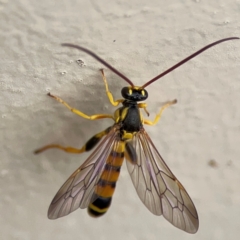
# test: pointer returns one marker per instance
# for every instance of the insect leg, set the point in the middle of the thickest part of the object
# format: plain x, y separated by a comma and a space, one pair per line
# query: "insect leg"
91, 117
158, 116
144, 106
89, 145
109, 94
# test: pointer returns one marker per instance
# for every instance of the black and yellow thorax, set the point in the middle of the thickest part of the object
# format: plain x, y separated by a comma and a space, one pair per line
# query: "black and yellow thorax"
129, 117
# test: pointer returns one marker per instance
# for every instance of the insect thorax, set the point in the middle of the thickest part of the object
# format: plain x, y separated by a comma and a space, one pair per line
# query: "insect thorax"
129, 117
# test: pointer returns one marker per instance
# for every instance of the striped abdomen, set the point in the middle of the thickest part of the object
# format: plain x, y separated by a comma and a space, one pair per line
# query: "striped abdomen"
107, 182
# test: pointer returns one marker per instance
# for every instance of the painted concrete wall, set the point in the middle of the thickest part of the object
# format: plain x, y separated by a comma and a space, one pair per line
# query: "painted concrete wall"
199, 137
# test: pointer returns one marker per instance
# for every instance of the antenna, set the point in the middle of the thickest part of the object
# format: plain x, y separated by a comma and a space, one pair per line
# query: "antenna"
100, 60
187, 59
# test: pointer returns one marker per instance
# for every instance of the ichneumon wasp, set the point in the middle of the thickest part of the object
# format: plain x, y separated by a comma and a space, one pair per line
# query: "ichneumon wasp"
93, 183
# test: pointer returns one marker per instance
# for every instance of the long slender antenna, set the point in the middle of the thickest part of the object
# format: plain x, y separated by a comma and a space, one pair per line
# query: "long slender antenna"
100, 60
187, 59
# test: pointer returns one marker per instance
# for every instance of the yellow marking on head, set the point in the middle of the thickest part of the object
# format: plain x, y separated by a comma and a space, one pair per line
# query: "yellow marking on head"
137, 88
143, 93
130, 91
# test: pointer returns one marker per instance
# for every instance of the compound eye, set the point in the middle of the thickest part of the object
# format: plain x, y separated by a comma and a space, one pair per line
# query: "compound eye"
144, 94
126, 92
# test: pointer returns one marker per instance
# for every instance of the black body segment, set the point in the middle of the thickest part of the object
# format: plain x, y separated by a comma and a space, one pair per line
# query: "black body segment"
132, 121
99, 206
130, 117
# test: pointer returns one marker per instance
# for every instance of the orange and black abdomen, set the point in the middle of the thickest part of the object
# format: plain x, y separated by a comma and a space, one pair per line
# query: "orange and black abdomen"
107, 182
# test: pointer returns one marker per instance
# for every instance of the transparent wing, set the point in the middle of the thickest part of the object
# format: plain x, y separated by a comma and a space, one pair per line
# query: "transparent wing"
158, 188
77, 191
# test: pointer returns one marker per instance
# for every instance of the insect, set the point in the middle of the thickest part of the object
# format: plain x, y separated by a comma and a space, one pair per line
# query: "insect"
92, 185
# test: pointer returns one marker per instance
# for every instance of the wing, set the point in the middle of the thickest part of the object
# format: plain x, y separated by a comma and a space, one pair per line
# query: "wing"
78, 190
158, 188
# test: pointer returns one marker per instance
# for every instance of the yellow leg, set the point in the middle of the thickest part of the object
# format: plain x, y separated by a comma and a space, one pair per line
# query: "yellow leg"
144, 106
66, 149
90, 144
166, 105
92, 117
109, 94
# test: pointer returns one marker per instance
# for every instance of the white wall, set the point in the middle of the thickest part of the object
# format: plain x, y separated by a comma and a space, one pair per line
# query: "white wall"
141, 39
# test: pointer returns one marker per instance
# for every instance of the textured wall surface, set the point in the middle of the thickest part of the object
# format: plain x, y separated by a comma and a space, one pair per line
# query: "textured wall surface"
199, 137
